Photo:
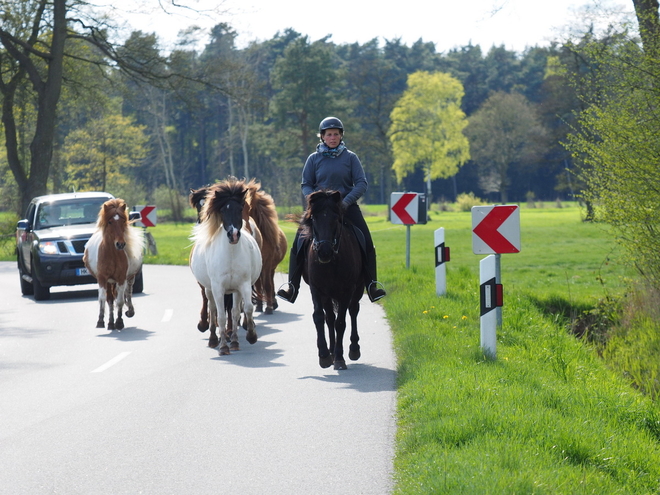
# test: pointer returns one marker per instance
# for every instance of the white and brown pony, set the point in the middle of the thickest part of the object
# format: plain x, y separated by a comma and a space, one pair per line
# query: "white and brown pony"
113, 255
226, 258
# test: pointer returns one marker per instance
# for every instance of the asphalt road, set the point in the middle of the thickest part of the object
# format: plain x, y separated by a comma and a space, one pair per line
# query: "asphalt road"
153, 410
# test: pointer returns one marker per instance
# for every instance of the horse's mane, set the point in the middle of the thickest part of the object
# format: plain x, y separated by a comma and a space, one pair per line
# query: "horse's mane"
217, 196
134, 237
262, 209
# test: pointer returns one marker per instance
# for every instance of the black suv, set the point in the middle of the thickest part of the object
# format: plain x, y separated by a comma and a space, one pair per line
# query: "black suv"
50, 242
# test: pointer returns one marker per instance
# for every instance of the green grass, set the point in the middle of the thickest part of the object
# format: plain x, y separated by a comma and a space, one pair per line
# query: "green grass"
547, 415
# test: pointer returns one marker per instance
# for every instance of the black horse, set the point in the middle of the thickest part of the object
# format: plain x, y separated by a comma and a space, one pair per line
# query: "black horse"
333, 271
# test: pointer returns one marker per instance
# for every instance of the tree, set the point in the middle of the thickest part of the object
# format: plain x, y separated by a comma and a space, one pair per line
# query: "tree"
505, 134
427, 128
100, 155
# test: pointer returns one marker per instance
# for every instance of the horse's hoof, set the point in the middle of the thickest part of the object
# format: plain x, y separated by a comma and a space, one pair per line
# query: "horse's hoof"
100, 324
251, 337
354, 354
130, 313
275, 305
234, 346
213, 343
119, 325
224, 351
203, 326
259, 308
325, 362
111, 326
340, 365
269, 311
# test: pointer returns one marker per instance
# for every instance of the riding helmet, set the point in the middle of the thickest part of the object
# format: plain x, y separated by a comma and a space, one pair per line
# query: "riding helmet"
331, 123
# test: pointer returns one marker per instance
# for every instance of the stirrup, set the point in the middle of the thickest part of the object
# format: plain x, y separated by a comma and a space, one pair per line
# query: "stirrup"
289, 296
378, 291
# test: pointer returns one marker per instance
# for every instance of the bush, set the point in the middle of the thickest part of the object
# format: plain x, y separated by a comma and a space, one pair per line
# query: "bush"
465, 202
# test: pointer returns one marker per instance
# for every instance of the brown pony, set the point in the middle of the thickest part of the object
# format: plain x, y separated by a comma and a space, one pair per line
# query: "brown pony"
113, 255
274, 246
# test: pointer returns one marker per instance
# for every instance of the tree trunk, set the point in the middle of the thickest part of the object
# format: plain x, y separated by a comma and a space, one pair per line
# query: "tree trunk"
649, 26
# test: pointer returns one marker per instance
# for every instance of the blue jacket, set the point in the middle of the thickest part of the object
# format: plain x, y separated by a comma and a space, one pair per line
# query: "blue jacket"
343, 173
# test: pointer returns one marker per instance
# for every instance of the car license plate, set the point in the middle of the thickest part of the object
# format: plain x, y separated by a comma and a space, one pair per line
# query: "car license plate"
81, 272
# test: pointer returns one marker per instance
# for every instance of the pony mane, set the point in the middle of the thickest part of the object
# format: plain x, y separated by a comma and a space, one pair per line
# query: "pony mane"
217, 196
134, 238
196, 196
262, 209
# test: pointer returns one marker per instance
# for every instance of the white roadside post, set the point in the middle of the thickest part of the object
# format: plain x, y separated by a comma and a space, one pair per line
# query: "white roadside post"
491, 300
441, 257
496, 230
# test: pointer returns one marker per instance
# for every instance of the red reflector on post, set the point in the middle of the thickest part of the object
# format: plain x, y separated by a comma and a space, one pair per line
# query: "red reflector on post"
446, 254
499, 295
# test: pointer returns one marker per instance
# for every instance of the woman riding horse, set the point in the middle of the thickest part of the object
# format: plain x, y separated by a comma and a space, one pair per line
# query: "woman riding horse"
334, 167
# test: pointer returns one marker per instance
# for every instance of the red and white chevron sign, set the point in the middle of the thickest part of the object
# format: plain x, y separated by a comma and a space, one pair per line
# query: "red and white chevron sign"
495, 229
148, 216
408, 208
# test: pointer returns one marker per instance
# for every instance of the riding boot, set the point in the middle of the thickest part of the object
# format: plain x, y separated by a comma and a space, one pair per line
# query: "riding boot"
295, 273
375, 289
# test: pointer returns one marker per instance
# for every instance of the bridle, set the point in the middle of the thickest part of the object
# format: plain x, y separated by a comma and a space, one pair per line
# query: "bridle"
334, 243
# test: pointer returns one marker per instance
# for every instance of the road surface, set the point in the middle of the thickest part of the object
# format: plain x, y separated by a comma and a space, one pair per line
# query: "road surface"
153, 410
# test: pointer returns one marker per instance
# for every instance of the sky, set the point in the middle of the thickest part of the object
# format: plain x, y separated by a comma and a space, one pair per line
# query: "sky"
516, 24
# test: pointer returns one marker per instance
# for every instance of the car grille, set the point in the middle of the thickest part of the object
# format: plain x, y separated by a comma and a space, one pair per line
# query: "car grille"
72, 247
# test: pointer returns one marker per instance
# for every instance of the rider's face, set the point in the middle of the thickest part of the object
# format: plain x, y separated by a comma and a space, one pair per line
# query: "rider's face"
332, 137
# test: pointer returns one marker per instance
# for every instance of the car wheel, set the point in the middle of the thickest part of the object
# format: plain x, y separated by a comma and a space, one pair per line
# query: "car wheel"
138, 285
26, 287
41, 293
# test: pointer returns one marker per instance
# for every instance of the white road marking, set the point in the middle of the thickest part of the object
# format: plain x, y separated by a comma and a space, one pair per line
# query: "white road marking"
167, 316
112, 362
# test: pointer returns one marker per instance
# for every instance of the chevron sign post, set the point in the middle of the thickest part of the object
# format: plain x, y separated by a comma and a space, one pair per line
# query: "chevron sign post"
408, 208
495, 231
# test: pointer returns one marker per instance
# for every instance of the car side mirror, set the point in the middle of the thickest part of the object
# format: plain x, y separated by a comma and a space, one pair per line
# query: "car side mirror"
23, 225
134, 215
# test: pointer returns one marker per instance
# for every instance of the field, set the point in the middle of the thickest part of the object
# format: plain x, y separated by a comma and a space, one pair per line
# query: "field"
547, 415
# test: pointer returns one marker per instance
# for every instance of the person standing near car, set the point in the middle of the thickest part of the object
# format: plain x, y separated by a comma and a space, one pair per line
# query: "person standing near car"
333, 166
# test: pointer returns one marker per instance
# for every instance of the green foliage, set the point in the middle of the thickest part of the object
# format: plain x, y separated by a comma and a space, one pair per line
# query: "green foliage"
100, 155
465, 201
506, 135
427, 127
618, 146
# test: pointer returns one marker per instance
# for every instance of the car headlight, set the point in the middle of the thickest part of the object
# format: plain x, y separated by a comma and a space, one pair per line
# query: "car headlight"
48, 247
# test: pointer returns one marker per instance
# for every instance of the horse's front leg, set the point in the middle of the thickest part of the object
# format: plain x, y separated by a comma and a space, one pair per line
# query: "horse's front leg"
340, 328
330, 318
325, 358
203, 324
212, 316
102, 300
221, 316
354, 349
121, 295
110, 298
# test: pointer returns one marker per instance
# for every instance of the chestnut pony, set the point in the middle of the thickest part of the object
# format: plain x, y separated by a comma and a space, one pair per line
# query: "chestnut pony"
262, 210
228, 263
333, 271
113, 255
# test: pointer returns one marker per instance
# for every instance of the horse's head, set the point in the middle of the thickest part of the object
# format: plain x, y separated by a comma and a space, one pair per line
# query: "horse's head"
226, 200
114, 221
197, 198
324, 215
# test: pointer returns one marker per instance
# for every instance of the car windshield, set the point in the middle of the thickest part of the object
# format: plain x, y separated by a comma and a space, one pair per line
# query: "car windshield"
68, 212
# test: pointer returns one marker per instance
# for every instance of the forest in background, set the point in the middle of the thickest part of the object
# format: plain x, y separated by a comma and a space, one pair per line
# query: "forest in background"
254, 112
